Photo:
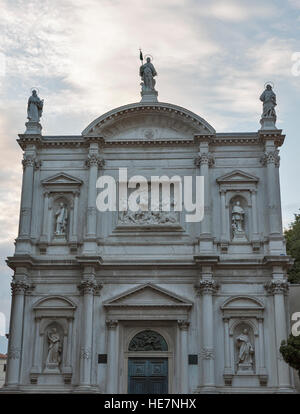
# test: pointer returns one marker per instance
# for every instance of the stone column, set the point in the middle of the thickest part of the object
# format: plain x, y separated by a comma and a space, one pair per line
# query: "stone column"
204, 161
278, 288
19, 288
88, 287
93, 162
45, 231
112, 360
262, 366
207, 287
228, 374
184, 376
224, 236
26, 200
271, 161
254, 215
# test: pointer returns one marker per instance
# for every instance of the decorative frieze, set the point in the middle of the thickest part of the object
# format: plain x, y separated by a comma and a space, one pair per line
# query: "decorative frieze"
207, 353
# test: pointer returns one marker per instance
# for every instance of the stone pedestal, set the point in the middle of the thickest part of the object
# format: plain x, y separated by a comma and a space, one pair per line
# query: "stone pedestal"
268, 123
149, 96
33, 128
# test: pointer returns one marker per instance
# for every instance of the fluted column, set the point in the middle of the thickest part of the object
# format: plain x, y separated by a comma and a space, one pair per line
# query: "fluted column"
254, 215
112, 350
278, 288
271, 161
184, 376
18, 288
207, 287
224, 236
29, 163
88, 287
93, 162
227, 365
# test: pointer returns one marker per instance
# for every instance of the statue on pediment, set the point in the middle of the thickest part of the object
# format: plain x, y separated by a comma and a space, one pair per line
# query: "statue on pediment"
268, 98
34, 107
147, 73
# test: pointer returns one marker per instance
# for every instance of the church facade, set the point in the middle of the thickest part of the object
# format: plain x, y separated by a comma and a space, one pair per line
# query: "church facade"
112, 302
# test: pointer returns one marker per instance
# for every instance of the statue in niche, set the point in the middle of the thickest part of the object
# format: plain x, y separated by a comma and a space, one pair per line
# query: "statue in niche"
34, 107
147, 73
54, 350
268, 98
245, 351
61, 216
238, 221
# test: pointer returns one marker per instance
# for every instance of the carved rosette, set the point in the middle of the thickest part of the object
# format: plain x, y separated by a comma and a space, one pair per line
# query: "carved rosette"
208, 287
271, 157
85, 353
94, 160
207, 353
112, 323
183, 324
89, 287
205, 158
19, 287
14, 353
277, 287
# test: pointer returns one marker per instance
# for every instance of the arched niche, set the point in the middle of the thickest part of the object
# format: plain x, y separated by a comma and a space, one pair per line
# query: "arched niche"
241, 202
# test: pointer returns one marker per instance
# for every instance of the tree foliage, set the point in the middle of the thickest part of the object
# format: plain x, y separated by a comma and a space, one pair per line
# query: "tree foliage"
290, 350
292, 236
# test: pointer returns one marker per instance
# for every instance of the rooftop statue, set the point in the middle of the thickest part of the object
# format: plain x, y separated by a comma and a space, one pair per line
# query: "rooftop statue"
147, 73
268, 98
34, 107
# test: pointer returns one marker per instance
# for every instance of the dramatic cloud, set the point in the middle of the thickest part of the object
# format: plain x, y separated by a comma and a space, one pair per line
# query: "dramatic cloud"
212, 57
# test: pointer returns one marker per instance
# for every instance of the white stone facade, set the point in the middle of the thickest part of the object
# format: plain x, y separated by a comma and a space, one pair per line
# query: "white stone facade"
102, 281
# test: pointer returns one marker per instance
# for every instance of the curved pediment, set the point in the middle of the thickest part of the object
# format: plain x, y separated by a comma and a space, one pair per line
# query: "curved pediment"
54, 302
148, 122
242, 302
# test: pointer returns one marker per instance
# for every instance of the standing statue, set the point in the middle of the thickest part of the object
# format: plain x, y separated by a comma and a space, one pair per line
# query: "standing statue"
34, 107
147, 73
61, 219
245, 349
238, 214
54, 350
268, 98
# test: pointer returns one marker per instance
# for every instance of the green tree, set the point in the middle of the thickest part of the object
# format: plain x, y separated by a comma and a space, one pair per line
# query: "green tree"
290, 350
292, 236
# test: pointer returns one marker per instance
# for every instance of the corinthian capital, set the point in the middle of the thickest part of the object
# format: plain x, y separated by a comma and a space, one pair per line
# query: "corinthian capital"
205, 158
209, 286
28, 161
271, 157
94, 160
89, 287
19, 287
277, 287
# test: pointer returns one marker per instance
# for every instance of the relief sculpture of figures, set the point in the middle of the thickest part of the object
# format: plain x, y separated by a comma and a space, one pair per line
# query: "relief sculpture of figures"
147, 73
246, 350
268, 98
34, 107
61, 220
54, 350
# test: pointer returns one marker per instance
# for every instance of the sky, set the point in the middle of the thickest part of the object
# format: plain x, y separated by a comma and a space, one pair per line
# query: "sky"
213, 57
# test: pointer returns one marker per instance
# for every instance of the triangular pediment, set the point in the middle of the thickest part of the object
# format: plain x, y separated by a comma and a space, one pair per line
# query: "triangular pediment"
62, 179
237, 176
148, 295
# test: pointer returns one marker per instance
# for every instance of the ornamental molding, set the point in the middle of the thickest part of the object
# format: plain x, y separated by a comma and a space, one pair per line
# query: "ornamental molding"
168, 114
62, 183
207, 353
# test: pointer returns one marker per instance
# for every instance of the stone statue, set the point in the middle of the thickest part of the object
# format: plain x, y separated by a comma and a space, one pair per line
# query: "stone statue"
147, 73
54, 349
238, 214
34, 107
246, 350
61, 220
268, 98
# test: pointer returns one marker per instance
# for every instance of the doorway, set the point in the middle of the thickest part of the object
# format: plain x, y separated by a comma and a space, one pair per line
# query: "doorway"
147, 375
